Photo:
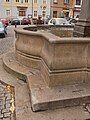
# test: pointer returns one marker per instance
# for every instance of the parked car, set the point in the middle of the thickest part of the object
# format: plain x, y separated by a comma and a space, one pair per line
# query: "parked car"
5, 21
25, 21
37, 21
46, 20
72, 21
77, 17
15, 21
34, 20
3, 30
40, 22
58, 21
67, 18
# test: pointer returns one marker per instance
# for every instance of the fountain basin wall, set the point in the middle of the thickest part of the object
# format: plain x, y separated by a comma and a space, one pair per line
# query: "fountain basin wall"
62, 61
49, 27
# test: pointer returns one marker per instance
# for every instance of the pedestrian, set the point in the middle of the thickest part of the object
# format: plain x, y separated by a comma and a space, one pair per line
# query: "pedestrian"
15, 24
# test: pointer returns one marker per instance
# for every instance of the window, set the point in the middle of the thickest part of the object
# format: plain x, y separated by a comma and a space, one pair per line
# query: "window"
78, 2
43, 13
7, 0
35, 13
26, 1
55, 1
55, 14
66, 1
17, 0
8, 12
35, 1
44, 1
22, 13
54, 21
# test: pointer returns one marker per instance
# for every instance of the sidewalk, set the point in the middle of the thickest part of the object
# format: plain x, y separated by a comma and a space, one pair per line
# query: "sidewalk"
7, 103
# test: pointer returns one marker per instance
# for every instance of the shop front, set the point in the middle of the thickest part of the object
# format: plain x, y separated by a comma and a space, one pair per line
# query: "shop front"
76, 12
65, 12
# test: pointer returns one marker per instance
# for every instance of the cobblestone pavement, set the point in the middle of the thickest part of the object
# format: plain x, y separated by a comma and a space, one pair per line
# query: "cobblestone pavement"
7, 102
8, 42
7, 98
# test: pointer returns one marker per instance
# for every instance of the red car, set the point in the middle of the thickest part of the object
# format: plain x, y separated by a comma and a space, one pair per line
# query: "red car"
5, 21
25, 21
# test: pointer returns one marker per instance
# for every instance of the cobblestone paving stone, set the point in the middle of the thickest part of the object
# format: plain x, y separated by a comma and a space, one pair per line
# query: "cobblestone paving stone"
7, 102
5, 45
8, 42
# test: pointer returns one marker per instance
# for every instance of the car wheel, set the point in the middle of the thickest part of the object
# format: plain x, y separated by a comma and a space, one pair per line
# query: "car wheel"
3, 35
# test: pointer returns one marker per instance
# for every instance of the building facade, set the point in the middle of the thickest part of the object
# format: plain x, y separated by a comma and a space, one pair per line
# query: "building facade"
41, 8
61, 8
77, 8
20, 8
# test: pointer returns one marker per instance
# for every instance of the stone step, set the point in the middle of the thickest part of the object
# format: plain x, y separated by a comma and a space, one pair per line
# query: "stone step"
44, 97
14, 67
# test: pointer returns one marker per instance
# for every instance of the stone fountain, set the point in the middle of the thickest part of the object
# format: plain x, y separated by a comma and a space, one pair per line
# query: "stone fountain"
82, 27
57, 70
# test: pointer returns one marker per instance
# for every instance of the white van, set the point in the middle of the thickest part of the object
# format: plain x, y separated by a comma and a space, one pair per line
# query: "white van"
58, 21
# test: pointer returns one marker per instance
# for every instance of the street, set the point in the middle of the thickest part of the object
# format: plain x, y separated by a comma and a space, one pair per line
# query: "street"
7, 43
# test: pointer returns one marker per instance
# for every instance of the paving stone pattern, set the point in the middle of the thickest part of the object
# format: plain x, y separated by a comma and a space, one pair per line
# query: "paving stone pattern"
8, 42
7, 102
5, 45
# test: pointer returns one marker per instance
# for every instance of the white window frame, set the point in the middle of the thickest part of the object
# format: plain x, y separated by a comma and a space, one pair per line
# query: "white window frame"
35, 13
66, 1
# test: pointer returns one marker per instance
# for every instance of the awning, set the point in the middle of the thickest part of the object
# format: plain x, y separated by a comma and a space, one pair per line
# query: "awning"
22, 7
78, 9
65, 10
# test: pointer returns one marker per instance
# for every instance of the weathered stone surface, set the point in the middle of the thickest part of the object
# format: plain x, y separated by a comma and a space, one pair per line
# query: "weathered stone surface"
82, 27
50, 62
1, 115
23, 99
6, 118
43, 97
61, 60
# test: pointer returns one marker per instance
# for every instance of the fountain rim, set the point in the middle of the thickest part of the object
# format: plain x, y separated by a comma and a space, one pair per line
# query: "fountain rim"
51, 37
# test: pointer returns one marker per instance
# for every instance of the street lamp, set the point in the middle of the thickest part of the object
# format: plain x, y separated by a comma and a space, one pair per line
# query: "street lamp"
51, 8
32, 8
